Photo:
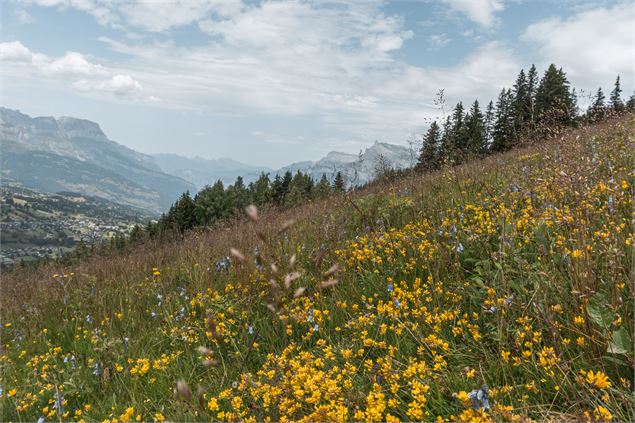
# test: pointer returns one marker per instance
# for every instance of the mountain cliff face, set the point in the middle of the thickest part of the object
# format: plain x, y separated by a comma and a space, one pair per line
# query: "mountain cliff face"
357, 169
69, 154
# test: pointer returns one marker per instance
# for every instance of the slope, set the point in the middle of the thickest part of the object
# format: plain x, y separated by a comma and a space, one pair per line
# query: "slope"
500, 289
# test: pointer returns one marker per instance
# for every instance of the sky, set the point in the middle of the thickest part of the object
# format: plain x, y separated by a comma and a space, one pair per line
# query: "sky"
274, 82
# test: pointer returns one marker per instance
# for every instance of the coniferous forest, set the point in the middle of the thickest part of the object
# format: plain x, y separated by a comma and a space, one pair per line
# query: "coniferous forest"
534, 108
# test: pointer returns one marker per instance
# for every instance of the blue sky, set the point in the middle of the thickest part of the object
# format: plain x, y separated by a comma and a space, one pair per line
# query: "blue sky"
274, 82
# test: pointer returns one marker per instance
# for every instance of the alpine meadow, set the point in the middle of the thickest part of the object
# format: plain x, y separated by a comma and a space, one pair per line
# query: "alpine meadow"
479, 270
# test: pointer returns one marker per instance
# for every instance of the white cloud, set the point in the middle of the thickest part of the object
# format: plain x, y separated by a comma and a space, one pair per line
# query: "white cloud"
23, 16
593, 46
122, 86
149, 15
72, 68
101, 10
331, 64
73, 63
437, 41
146, 14
14, 51
483, 12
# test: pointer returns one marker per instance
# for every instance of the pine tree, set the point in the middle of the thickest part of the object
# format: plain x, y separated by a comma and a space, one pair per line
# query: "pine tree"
323, 188
597, 110
276, 190
309, 187
456, 138
503, 131
630, 104
211, 205
338, 183
445, 150
532, 86
489, 124
522, 104
475, 131
261, 192
297, 189
237, 196
136, 233
286, 183
555, 105
184, 214
616, 97
429, 150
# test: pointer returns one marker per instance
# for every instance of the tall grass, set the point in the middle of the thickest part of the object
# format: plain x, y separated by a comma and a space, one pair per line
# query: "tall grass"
499, 289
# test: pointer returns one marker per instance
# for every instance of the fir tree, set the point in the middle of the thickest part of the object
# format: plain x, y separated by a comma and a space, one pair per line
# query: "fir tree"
597, 110
630, 104
277, 194
184, 215
211, 204
456, 137
261, 192
446, 142
532, 87
297, 189
338, 183
323, 188
429, 150
237, 195
474, 131
522, 104
616, 97
503, 131
489, 124
555, 105
286, 183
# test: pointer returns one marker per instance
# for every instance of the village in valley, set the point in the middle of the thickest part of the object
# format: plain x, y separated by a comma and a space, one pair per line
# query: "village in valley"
38, 226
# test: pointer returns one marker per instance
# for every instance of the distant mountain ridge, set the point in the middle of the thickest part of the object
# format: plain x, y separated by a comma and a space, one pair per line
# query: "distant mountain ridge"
69, 154
357, 169
201, 172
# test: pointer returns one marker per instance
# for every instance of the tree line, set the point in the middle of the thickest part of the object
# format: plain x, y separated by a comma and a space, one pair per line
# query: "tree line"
533, 108
216, 202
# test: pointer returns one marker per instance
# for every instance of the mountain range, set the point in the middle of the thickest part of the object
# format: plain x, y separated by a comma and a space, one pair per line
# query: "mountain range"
201, 172
74, 155
357, 169
69, 154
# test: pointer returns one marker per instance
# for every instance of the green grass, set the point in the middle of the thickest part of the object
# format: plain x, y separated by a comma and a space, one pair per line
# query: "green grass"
515, 272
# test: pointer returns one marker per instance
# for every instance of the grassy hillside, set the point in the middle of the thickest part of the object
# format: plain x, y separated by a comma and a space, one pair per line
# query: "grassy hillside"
501, 289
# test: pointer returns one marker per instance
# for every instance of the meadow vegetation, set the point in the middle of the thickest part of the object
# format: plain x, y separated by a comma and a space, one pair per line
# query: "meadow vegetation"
500, 289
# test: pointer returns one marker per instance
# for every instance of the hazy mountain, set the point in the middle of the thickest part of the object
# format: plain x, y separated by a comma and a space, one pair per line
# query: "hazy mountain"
201, 172
357, 169
69, 154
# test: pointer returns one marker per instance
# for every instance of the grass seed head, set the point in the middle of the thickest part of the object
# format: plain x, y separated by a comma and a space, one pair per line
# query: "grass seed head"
182, 391
252, 212
299, 292
328, 284
236, 253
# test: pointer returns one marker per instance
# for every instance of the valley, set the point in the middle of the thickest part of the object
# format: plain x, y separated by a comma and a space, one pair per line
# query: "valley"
38, 226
